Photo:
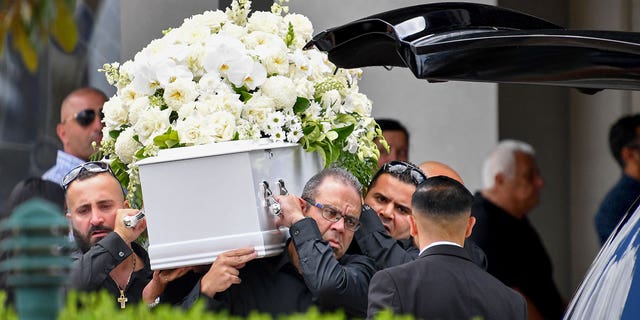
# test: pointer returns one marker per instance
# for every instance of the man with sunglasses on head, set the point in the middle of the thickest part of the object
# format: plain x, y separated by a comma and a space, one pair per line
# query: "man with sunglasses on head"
385, 234
312, 270
109, 257
80, 126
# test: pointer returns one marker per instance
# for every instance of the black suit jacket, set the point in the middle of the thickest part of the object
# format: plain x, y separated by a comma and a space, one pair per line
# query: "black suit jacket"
443, 283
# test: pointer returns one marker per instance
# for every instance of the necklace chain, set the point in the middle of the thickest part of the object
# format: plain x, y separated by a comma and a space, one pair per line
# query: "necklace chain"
122, 299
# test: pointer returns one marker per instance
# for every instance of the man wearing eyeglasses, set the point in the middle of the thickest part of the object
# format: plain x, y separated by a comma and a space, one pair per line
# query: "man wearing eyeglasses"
80, 126
109, 257
385, 235
312, 270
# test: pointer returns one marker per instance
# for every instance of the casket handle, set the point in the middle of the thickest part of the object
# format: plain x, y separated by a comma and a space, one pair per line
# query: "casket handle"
270, 202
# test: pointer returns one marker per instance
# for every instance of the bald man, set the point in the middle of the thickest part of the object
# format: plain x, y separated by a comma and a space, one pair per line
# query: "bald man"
80, 126
435, 168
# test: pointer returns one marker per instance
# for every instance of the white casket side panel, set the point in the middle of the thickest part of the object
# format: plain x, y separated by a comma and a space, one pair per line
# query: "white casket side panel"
201, 202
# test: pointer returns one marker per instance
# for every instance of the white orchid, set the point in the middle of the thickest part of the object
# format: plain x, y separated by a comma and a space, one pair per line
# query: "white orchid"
227, 75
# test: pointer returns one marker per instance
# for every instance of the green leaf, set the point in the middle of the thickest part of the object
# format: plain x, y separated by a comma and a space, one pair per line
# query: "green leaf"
173, 116
245, 96
63, 26
301, 105
115, 134
344, 132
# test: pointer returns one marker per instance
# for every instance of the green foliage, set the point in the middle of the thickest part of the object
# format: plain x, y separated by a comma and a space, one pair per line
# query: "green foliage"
6, 312
31, 22
167, 140
101, 305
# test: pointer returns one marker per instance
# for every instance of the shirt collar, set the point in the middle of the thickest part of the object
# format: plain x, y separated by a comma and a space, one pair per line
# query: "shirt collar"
437, 243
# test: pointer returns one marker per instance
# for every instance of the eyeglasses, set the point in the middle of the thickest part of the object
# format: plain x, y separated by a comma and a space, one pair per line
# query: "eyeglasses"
85, 117
400, 167
93, 166
333, 215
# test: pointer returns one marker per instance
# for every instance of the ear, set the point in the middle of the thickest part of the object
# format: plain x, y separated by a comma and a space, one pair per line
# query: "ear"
627, 154
304, 206
413, 226
126, 204
61, 132
470, 224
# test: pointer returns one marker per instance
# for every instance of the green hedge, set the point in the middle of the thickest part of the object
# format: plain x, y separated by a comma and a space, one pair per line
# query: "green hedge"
100, 306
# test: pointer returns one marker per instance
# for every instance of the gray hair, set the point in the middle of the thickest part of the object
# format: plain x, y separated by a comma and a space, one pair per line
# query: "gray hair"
502, 160
342, 175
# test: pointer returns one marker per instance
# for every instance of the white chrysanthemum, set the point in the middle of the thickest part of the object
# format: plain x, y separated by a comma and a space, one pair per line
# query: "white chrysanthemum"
152, 122
179, 92
277, 134
295, 133
264, 21
125, 146
115, 113
223, 126
281, 90
275, 121
302, 28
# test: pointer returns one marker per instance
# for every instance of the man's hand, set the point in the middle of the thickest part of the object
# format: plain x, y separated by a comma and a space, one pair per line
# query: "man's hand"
290, 210
225, 270
129, 234
159, 282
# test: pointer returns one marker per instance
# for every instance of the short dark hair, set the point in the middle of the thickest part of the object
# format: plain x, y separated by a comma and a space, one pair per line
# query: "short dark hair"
391, 124
342, 175
402, 176
35, 187
441, 197
622, 134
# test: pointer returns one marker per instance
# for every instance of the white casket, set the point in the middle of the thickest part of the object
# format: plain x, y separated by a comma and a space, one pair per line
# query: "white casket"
203, 200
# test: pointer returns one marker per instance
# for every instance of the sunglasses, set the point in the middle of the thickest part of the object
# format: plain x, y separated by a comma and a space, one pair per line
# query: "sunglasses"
93, 166
334, 215
400, 167
85, 117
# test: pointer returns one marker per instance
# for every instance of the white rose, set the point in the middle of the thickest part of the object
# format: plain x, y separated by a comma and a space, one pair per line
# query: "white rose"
192, 131
179, 92
152, 122
212, 19
115, 113
137, 108
223, 126
126, 147
281, 89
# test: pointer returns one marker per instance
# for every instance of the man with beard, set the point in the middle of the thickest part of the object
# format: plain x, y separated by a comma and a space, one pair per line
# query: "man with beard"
110, 258
80, 126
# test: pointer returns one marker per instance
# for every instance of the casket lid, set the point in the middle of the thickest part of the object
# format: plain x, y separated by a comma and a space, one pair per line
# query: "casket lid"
214, 149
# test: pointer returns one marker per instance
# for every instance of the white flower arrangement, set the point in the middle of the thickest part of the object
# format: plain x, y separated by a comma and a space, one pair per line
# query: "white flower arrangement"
227, 75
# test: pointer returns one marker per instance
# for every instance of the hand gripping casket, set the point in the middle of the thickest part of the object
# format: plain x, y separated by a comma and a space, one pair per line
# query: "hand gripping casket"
203, 200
